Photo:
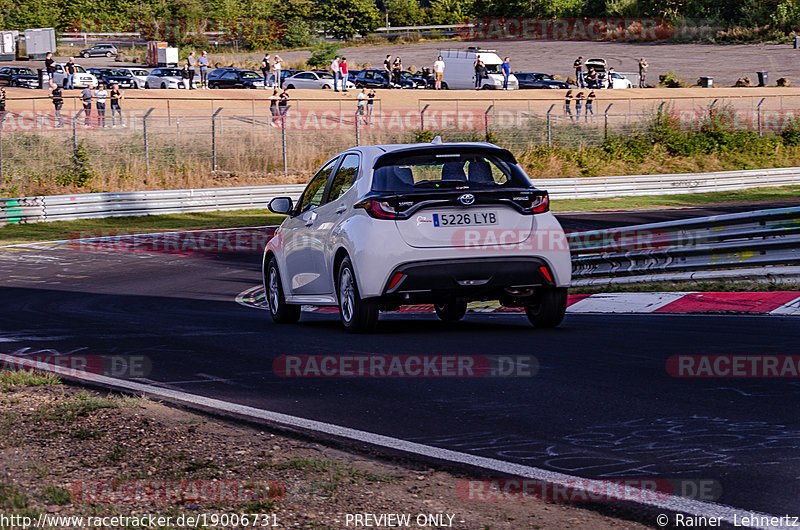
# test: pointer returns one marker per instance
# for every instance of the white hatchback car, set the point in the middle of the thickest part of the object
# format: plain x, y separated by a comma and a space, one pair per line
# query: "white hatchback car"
166, 78
316, 79
139, 75
387, 225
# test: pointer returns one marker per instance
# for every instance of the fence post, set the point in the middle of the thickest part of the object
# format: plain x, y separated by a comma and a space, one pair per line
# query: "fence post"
660, 112
760, 123
75, 132
422, 117
214, 139
605, 121
146, 144
2, 117
486, 121
549, 127
283, 145
711, 114
358, 131
178, 127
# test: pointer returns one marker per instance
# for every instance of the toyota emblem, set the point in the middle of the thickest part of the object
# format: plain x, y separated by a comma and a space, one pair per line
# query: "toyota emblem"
467, 199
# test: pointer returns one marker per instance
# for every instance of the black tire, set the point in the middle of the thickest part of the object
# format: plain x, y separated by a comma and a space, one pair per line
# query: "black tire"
451, 311
444, 86
279, 310
326, 87
146, 85
163, 86
290, 87
212, 85
547, 308
357, 315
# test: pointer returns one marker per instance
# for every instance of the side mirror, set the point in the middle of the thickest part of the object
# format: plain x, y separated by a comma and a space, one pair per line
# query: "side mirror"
280, 205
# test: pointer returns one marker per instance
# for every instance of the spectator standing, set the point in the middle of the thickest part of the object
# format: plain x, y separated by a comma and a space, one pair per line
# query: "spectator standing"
266, 67
58, 102
578, 105
273, 108
116, 109
370, 102
337, 73
100, 96
191, 62
70, 66
506, 72
277, 65
642, 72
86, 98
344, 73
361, 105
479, 67
397, 71
203, 62
283, 103
578, 66
589, 105
387, 64
438, 72
567, 105
49, 65
610, 78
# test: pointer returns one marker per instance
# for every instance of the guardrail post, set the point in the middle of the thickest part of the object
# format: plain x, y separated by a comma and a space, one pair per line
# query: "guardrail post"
422, 117
146, 143
549, 127
605, 121
760, 123
214, 139
486, 121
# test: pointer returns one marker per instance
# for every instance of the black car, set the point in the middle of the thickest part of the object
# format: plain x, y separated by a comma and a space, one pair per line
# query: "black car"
375, 78
100, 50
538, 80
352, 74
112, 76
15, 76
234, 78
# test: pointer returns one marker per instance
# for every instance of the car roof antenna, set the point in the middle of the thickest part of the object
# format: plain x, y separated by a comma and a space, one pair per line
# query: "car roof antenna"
436, 139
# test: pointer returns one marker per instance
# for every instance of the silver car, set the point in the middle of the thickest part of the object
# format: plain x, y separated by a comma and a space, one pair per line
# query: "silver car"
387, 225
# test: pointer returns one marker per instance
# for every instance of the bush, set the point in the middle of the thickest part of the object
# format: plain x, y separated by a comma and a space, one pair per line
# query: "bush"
743, 82
671, 80
784, 82
322, 53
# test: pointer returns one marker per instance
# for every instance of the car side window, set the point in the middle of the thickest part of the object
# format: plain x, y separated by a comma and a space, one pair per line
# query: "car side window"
345, 176
312, 196
229, 76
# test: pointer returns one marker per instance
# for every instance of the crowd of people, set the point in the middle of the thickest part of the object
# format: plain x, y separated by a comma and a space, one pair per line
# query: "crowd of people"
579, 99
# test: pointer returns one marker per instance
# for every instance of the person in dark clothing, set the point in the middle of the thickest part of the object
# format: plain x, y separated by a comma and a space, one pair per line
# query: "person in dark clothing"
185, 75
116, 96
2, 102
273, 108
397, 69
480, 68
191, 62
58, 101
578, 66
387, 65
283, 103
49, 65
567, 105
70, 66
578, 105
589, 105
591, 79
266, 66
370, 102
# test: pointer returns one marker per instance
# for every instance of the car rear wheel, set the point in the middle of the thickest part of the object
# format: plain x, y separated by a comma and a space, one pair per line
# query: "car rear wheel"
547, 308
146, 84
109, 54
85, 55
444, 85
357, 315
281, 312
163, 85
290, 87
451, 311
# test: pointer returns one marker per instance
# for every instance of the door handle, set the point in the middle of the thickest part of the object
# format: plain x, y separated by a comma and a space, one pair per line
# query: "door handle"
341, 209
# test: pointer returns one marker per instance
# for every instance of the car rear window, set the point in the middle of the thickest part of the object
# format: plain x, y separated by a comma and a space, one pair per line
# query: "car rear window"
448, 170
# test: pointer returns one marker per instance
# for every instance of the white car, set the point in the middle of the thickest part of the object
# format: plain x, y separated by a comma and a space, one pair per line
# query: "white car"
600, 66
316, 79
166, 78
82, 78
386, 225
139, 75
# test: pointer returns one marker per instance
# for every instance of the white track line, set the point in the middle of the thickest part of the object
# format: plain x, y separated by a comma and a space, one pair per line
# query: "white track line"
727, 514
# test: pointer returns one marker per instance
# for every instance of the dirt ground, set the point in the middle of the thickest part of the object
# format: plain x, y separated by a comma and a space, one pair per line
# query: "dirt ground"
56, 439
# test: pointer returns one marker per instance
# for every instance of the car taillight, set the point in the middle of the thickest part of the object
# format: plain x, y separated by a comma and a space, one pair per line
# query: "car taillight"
378, 209
540, 204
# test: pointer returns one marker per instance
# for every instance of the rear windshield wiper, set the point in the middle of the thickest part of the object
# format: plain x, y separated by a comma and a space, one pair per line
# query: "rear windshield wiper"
443, 183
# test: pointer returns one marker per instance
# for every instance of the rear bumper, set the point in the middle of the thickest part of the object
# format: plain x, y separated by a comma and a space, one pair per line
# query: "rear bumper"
475, 277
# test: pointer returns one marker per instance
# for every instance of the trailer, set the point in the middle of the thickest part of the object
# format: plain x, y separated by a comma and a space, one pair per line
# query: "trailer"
160, 54
8, 45
34, 44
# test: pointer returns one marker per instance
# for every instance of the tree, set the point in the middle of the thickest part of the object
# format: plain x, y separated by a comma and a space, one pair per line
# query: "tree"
344, 19
404, 12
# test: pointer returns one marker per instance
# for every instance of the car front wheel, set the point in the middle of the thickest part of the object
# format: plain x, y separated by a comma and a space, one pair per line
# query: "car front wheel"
357, 315
109, 54
547, 308
451, 311
281, 312
85, 55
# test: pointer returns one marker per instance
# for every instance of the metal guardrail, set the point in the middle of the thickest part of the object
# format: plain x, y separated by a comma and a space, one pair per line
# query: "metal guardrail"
97, 205
762, 239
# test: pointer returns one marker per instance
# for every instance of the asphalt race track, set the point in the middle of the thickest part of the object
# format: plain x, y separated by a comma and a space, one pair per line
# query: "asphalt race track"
601, 405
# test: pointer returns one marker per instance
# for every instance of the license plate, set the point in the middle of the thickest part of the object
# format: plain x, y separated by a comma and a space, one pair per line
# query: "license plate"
465, 219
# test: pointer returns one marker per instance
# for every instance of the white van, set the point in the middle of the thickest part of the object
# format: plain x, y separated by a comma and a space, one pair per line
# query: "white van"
459, 72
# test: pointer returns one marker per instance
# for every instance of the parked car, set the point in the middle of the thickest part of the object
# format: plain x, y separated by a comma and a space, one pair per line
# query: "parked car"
459, 70
139, 75
112, 76
21, 77
377, 78
351, 75
82, 78
538, 80
234, 78
313, 79
165, 78
100, 50
381, 226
